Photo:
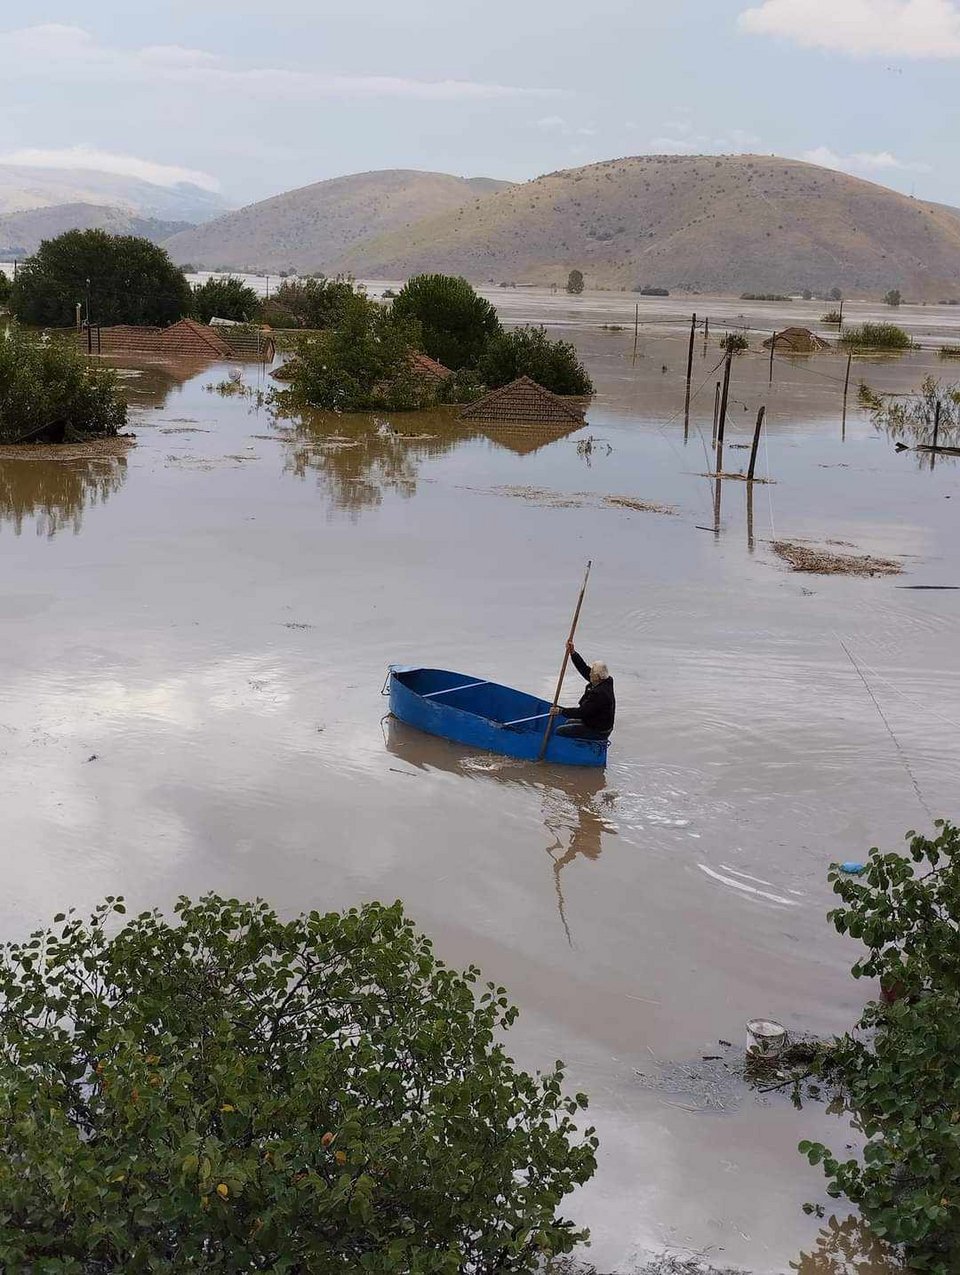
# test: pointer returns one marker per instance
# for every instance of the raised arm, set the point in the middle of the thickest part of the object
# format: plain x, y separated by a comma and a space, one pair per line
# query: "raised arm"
580, 664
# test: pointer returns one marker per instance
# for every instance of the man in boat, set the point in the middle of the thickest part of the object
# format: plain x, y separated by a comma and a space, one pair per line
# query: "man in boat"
593, 717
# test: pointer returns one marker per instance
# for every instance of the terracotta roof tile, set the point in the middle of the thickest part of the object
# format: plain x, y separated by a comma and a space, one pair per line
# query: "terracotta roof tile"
523, 402
427, 368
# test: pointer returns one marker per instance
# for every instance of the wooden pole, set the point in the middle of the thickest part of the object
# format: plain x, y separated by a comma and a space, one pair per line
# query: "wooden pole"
686, 398
563, 666
716, 413
840, 320
936, 424
756, 443
722, 416
846, 386
706, 334
773, 346
751, 544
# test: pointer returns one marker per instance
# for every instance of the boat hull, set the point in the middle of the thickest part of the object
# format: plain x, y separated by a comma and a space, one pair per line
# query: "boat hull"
485, 715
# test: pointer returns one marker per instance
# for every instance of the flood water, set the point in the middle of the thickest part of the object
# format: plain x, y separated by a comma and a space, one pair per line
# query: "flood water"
196, 636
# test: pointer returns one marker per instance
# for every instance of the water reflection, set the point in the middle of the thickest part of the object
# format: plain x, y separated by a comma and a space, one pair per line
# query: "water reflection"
57, 493
846, 1248
575, 804
356, 459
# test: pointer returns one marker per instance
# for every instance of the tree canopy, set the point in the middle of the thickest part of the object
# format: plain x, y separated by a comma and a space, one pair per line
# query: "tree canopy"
315, 303
5, 286
225, 297
528, 351
901, 1068
363, 362
575, 282
131, 280
228, 1091
455, 321
49, 391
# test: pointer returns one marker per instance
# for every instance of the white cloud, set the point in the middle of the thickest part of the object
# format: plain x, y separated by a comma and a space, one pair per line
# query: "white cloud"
862, 28
681, 139
861, 162
53, 51
89, 158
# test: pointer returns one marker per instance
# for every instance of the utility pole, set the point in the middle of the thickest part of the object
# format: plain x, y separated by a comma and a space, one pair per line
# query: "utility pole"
686, 400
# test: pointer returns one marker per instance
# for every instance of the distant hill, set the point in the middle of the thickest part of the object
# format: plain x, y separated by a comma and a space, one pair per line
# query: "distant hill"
21, 232
23, 187
313, 228
699, 223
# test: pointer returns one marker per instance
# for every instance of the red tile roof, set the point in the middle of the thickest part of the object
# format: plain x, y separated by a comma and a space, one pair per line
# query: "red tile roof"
427, 368
523, 402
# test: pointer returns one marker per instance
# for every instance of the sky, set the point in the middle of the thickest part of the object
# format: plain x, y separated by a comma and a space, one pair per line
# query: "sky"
249, 99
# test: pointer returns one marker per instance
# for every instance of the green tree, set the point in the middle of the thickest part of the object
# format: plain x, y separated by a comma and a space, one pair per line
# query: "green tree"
49, 391
5, 286
893, 297
528, 351
877, 336
225, 297
131, 280
455, 321
314, 303
575, 282
901, 1068
362, 363
233, 1092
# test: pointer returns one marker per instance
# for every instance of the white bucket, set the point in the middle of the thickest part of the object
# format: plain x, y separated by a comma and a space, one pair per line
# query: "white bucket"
765, 1038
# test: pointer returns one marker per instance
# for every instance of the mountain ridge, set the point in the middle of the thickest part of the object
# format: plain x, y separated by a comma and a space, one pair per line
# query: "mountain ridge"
312, 227
689, 223
22, 232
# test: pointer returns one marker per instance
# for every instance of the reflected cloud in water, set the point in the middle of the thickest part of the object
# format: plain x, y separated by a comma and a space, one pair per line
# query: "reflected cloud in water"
576, 805
55, 494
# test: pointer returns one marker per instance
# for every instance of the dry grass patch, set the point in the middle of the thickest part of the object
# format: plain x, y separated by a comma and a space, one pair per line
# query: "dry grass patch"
819, 561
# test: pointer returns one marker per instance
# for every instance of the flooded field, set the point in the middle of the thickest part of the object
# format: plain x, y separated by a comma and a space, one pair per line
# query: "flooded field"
196, 634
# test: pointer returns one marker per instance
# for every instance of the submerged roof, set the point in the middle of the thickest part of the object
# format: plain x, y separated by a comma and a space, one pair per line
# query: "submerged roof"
800, 340
428, 369
186, 339
523, 402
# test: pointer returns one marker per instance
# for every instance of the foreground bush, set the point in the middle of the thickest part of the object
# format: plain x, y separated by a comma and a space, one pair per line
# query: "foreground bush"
877, 336
131, 280
454, 320
50, 392
901, 1071
529, 352
231, 1092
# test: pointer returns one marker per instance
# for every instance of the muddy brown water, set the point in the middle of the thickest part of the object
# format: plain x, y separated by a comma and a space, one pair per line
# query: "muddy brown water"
211, 618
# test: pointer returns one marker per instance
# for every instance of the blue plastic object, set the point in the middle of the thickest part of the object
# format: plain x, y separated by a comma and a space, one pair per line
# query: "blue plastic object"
853, 869
486, 715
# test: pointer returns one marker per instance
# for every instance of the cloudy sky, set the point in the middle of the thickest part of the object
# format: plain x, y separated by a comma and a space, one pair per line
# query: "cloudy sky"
253, 98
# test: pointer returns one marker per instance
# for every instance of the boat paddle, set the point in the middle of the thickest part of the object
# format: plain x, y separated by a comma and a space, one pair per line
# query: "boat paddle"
563, 667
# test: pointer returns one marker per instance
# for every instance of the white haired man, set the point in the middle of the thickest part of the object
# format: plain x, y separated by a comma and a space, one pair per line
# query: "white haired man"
593, 717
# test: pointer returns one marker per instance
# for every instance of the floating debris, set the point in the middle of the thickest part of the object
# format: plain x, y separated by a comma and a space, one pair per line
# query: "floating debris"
803, 557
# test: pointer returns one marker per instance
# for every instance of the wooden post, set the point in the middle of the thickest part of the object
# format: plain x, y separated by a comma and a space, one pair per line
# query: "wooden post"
563, 666
773, 346
840, 320
717, 490
756, 443
846, 386
716, 413
706, 334
686, 399
722, 416
936, 424
751, 544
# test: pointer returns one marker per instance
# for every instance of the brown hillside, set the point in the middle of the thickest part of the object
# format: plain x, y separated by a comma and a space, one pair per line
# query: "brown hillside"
313, 228
702, 223
21, 232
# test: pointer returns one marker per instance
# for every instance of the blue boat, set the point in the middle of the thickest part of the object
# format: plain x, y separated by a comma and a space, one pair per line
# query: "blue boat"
485, 715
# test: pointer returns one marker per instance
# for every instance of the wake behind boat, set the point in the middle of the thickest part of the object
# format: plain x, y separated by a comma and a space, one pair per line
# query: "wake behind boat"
486, 715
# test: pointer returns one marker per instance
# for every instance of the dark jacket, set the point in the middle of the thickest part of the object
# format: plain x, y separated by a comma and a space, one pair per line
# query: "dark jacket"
598, 705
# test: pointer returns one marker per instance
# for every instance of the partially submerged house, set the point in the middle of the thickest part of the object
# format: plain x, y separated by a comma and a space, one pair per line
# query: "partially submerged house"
186, 340
796, 341
525, 403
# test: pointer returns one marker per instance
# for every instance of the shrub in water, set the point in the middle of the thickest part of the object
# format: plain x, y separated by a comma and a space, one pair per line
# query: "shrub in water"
528, 351
50, 392
455, 321
877, 336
